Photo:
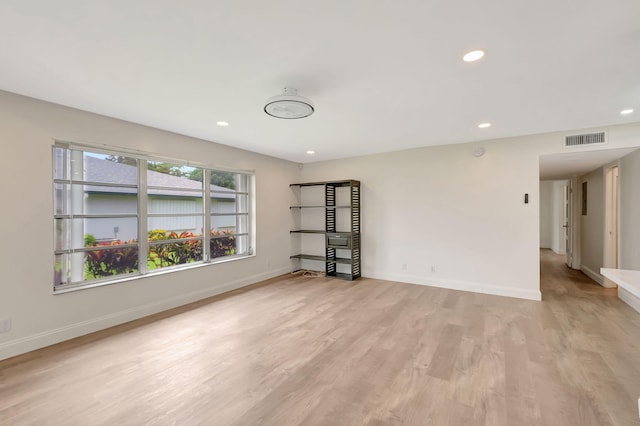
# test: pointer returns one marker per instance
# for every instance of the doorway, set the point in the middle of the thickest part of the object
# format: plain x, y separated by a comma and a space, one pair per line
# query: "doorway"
555, 217
591, 235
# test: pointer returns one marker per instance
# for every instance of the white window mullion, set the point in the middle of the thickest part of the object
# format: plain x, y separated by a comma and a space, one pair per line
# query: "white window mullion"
66, 224
251, 220
240, 246
206, 220
77, 230
143, 240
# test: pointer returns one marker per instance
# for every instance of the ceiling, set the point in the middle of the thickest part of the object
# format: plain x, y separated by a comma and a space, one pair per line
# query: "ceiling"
384, 75
566, 165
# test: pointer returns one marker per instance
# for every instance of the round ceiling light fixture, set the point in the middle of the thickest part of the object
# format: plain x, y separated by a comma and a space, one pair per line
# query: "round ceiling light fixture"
289, 105
472, 56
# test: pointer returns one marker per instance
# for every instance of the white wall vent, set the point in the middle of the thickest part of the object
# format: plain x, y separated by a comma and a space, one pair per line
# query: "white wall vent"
586, 139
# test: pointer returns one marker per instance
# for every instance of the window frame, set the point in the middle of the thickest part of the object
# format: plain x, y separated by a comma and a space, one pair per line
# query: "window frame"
247, 191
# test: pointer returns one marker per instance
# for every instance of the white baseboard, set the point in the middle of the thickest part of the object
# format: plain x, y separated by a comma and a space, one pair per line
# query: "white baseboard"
629, 298
57, 335
462, 285
594, 276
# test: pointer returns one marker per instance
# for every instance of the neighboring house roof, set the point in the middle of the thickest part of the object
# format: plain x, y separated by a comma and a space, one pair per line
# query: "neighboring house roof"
98, 170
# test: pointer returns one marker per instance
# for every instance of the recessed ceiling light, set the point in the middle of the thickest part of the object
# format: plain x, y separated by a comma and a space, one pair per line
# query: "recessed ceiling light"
474, 55
626, 111
484, 125
310, 152
222, 123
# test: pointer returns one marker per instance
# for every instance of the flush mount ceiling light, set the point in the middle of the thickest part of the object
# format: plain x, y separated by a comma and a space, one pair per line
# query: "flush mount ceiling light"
626, 111
311, 152
289, 105
222, 123
484, 125
474, 55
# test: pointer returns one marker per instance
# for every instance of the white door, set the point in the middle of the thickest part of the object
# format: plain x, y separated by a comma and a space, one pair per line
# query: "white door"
611, 219
566, 226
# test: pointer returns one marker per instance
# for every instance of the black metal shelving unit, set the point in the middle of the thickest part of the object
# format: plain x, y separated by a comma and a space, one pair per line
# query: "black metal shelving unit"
342, 247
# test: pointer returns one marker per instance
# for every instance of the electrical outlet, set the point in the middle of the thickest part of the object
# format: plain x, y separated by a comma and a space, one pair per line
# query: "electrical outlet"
5, 325
404, 266
433, 268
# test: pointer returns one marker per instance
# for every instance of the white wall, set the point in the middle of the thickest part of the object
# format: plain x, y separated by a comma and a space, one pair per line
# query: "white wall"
592, 226
27, 130
546, 216
445, 208
442, 207
630, 211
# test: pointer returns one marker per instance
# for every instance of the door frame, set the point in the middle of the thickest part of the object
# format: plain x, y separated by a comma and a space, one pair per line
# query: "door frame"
566, 222
574, 259
611, 237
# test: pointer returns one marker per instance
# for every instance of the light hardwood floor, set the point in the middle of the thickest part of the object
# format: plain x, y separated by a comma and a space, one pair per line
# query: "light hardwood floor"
327, 352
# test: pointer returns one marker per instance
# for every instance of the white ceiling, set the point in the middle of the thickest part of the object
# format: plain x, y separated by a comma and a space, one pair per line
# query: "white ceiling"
565, 165
384, 75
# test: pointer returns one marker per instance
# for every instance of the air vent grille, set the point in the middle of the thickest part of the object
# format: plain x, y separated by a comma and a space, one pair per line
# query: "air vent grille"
586, 139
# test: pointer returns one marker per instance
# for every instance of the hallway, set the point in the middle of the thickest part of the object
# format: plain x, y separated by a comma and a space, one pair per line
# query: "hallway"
557, 280
595, 339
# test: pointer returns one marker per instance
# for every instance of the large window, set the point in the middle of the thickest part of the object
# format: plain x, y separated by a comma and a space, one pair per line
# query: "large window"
119, 215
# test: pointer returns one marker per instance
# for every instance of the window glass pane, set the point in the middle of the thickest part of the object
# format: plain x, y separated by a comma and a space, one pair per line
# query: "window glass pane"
168, 175
60, 235
174, 201
223, 243
109, 260
110, 230
60, 163
105, 200
223, 202
60, 198
230, 223
229, 203
171, 254
170, 204
224, 181
166, 225
93, 199
60, 269
79, 233
94, 167
242, 245
226, 244
109, 200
